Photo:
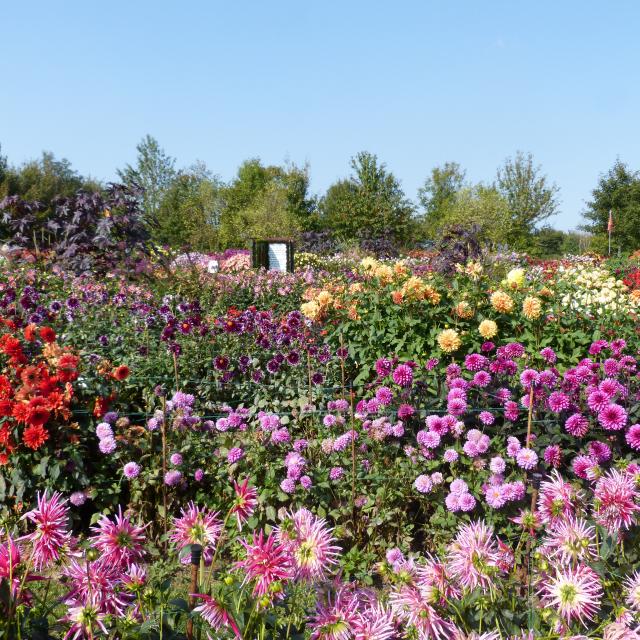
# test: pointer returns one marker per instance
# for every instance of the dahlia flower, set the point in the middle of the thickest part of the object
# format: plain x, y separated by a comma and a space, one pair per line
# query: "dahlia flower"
120, 541
268, 564
51, 533
245, 502
573, 592
571, 540
472, 557
616, 501
309, 541
215, 614
196, 526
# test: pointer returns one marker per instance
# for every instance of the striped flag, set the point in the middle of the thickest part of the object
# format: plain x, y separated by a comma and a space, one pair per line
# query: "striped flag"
610, 223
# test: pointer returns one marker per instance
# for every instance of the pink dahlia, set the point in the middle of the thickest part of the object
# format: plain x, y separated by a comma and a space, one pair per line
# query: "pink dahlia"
415, 608
571, 540
51, 533
472, 557
616, 501
245, 502
613, 417
196, 526
216, 615
558, 401
403, 375
120, 541
336, 618
577, 425
632, 590
310, 543
268, 564
553, 455
573, 593
556, 500
633, 436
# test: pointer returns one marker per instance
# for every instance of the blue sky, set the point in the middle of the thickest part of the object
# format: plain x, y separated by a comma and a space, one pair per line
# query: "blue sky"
418, 83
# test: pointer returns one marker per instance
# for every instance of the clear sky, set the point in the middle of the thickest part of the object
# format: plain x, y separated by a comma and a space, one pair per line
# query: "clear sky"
416, 82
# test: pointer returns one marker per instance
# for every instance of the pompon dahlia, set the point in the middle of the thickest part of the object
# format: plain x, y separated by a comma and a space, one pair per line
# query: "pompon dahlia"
411, 607
196, 526
403, 375
51, 533
616, 501
119, 540
577, 425
245, 502
310, 543
570, 541
473, 557
613, 417
268, 563
216, 615
574, 593
632, 590
556, 500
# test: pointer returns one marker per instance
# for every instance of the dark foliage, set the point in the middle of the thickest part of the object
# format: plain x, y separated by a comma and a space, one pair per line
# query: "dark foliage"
381, 246
87, 232
458, 245
320, 242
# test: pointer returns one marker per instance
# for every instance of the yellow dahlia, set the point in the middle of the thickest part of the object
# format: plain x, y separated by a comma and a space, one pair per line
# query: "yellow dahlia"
310, 310
502, 302
515, 278
531, 308
463, 310
487, 329
449, 340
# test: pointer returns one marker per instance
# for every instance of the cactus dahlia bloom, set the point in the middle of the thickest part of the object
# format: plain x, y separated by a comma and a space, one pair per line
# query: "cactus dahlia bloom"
473, 556
268, 564
120, 541
616, 501
51, 534
574, 593
556, 500
245, 503
215, 614
415, 608
632, 588
310, 543
571, 540
196, 526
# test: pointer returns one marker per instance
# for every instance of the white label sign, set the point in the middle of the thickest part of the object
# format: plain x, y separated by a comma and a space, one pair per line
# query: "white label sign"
278, 256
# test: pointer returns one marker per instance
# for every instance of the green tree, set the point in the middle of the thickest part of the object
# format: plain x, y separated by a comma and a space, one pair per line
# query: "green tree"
530, 196
259, 192
479, 206
43, 179
154, 171
371, 198
439, 191
189, 213
618, 191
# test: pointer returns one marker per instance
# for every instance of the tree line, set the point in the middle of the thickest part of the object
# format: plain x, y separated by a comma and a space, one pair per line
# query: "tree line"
192, 207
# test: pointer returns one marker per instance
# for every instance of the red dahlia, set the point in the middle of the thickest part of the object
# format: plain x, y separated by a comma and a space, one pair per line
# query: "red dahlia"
35, 436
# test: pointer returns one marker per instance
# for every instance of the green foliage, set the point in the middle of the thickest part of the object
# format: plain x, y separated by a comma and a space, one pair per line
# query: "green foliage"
189, 213
154, 171
477, 206
439, 191
265, 201
42, 179
371, 198
618, 191
529, 196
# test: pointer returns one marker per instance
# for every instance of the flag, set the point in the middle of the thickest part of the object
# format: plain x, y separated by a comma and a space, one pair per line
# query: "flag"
610, 223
